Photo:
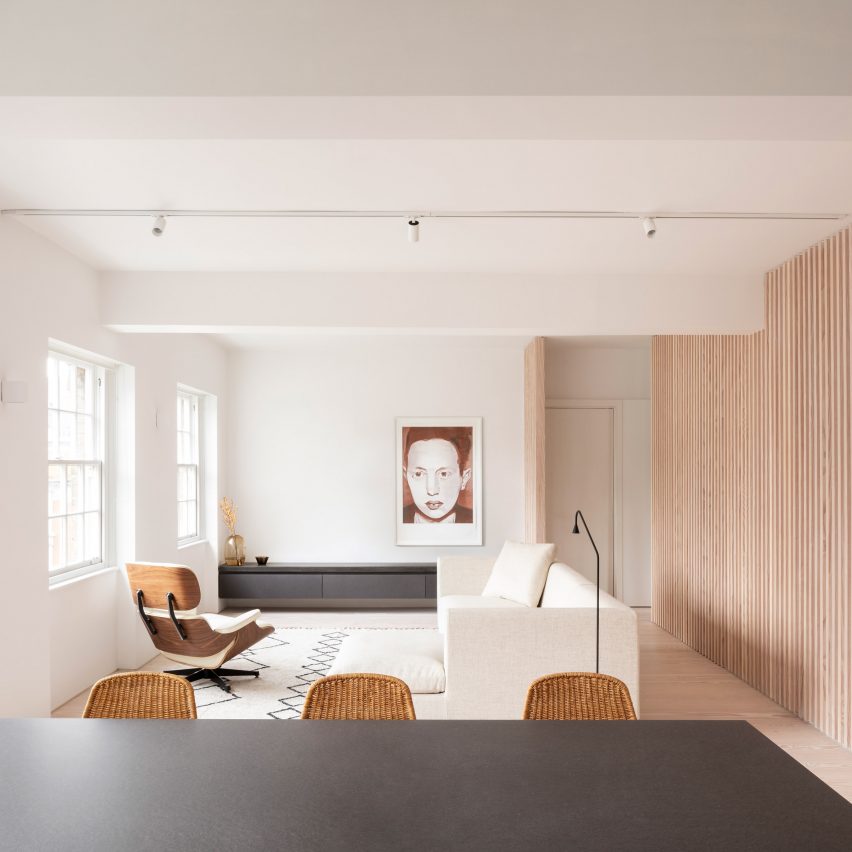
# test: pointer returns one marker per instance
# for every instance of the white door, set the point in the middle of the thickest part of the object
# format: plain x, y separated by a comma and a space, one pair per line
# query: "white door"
579, 450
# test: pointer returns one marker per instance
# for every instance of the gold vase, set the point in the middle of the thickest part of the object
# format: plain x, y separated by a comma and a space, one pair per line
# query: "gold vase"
235, 550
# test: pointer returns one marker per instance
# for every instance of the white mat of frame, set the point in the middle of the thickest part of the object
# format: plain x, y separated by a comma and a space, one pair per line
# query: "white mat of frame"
289, 661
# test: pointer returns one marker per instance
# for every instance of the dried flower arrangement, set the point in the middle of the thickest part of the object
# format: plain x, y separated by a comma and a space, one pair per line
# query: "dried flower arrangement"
229, 514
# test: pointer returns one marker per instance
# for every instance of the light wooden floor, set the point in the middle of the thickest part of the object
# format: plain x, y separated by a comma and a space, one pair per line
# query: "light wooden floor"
675, 682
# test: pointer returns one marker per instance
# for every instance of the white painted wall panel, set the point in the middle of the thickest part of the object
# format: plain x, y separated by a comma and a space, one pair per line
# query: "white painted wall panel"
312, 441
47, 293
618, 372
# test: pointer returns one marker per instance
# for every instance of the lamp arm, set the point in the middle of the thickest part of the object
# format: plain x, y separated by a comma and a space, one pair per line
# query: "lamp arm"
579, 515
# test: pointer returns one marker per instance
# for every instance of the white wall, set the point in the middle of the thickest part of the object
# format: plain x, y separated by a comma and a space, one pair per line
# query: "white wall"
618, 371
57, 641
312, 440
381, 302
605, 369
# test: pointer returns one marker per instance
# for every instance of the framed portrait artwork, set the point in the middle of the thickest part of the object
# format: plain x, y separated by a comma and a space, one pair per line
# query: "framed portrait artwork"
439, 480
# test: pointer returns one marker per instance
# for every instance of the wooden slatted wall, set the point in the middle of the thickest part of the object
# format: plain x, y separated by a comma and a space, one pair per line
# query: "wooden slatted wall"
752, 491
534, 414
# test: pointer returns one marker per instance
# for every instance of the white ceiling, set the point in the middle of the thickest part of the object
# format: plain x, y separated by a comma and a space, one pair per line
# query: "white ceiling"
654, 106
324, 340
446, 47
421, 175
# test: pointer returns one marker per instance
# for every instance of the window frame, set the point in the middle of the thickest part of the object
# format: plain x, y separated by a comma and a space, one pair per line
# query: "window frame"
104, 438
196, 438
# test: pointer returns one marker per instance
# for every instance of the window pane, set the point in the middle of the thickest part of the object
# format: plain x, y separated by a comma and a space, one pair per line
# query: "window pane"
85, 446
67, 435
86, 390
183, 414
55, 489
93, 487
52, 383
182, 520
53, 434
75, 469
93, 536
56, 542
74, 474
74, 545
67, 386
190, 508
184, 448
187, 458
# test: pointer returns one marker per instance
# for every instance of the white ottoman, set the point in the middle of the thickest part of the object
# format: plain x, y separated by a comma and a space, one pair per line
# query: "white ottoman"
414, 656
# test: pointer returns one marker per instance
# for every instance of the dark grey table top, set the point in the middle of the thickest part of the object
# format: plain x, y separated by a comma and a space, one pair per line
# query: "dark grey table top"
73, 784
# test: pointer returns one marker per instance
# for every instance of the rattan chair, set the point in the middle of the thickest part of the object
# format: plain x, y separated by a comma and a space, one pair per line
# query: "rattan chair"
358, 696
141, 695
579, 696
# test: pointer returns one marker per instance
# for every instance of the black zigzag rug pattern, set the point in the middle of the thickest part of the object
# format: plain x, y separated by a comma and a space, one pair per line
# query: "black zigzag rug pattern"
289, 661
318, 663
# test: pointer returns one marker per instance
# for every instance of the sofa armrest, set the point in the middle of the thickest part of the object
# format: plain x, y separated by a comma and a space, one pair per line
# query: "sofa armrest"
491, 656
463, 575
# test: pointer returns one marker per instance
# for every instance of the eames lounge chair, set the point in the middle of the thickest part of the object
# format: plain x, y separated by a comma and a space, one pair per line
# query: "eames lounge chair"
167, 597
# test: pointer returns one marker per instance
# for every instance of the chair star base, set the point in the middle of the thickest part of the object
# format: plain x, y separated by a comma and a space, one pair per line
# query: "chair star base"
218, 676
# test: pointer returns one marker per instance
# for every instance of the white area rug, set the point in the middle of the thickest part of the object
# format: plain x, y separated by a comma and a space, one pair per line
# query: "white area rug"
289, 661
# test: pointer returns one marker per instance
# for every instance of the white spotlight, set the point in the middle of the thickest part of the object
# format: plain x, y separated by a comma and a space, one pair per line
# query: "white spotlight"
650, 226
413, 230
159, 226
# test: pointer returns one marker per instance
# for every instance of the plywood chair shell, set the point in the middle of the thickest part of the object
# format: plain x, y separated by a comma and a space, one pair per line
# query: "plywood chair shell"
156, 581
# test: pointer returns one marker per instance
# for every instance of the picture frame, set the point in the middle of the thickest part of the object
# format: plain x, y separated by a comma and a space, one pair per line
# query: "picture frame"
438, 468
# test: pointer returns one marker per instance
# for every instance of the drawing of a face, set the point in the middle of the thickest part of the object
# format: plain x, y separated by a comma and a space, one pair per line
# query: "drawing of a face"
435, 477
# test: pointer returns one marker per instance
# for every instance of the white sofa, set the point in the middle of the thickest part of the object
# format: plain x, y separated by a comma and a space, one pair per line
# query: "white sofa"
487, 651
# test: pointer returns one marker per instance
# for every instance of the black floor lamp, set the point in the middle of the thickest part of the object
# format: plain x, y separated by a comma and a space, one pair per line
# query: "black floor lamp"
576, 531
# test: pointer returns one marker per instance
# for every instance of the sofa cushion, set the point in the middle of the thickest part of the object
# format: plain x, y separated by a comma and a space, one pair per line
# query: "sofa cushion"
414, 656
519, 572
563, 585
469, 602
566, 589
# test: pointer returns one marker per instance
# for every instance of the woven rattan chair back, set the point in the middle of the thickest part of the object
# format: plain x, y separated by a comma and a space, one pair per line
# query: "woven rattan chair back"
578, 696
358, 696
141, 695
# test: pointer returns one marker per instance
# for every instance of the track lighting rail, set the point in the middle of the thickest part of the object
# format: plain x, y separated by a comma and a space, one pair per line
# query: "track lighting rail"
430, 214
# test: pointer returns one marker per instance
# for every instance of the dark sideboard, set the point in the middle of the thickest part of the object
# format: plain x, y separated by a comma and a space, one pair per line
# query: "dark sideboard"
402, 581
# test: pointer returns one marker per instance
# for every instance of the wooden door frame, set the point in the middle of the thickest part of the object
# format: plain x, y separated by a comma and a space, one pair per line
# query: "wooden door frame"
615, 405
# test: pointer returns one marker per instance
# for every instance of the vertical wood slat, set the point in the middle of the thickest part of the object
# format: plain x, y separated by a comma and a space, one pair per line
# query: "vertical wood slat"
534, 414
752, 491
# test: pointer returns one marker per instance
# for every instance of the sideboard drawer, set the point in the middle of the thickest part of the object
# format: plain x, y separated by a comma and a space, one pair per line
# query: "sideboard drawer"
431, 586
374, 586
248, 585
